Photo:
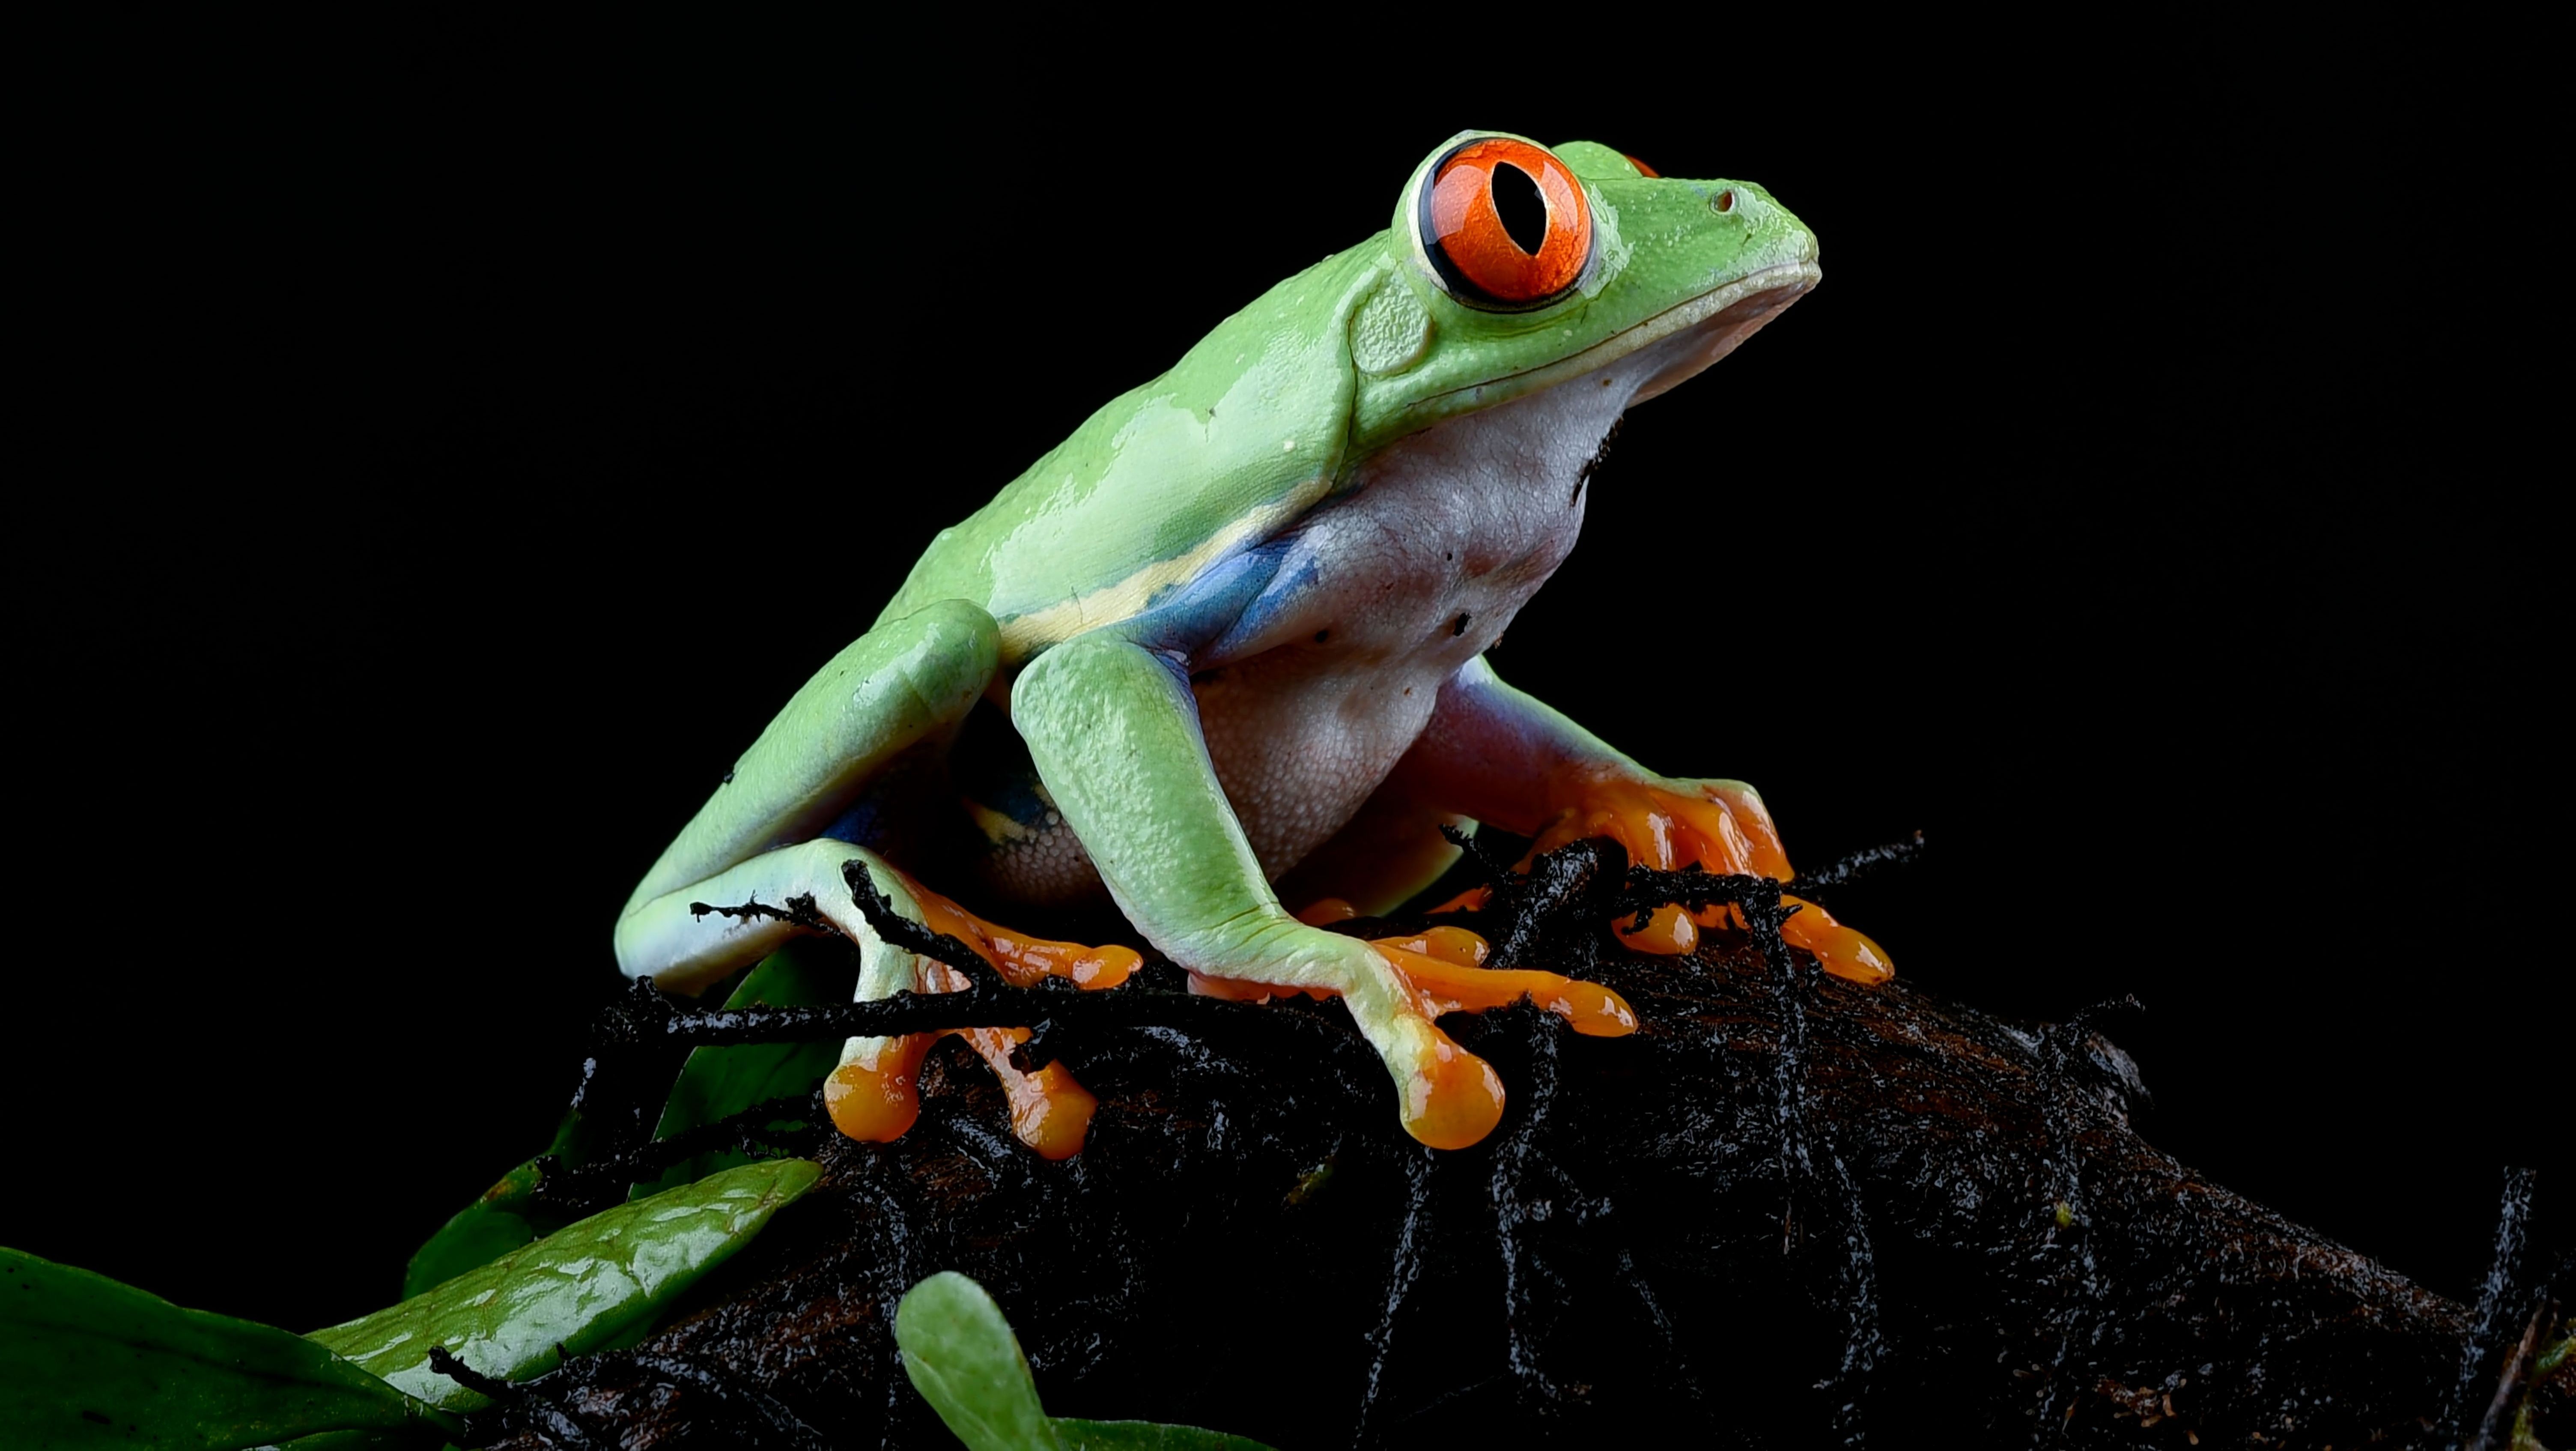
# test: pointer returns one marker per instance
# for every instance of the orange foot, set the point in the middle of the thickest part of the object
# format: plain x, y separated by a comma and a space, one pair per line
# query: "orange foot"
1452, 1098
1721, 826
873, 1096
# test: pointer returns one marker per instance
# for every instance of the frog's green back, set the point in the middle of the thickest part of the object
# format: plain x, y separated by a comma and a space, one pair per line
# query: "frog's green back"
1243, 434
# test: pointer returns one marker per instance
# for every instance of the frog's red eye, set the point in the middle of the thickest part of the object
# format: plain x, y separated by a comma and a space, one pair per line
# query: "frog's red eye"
1505, 224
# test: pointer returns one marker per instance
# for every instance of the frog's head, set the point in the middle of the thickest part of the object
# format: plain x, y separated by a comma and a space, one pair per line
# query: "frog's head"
1512, 267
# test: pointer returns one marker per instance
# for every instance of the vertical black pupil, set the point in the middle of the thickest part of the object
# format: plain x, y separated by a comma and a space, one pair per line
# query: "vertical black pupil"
1523, 210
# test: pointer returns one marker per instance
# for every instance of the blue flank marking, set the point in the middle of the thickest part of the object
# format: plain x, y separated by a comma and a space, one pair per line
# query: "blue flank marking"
859, 825
989, 765
1227, 602
1287, 586
1015, 795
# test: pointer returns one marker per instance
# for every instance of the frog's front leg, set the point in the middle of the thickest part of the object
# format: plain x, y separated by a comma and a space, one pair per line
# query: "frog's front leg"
1507, 759
1113, 731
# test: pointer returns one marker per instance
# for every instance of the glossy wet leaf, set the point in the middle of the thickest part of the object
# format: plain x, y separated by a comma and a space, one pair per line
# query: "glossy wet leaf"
960, 1354
588, 1286
712, 1085
718, 1083
504, 1218
86, 1361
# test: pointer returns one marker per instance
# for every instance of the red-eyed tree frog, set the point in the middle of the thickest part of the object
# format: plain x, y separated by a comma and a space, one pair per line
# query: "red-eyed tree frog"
1221, 652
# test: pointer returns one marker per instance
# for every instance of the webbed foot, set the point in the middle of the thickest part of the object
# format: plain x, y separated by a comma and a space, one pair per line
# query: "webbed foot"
1720, 826
874, 1095
1449, 1097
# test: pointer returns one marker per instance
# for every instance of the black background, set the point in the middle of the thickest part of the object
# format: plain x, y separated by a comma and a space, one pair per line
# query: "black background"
463, 439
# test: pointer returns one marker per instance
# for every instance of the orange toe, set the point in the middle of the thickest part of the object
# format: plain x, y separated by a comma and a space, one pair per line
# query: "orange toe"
1444, 986
1456, 1102
1050, 1112
1840, 950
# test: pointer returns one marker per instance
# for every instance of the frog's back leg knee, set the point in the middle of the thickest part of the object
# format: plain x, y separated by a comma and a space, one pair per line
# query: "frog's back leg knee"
898, 684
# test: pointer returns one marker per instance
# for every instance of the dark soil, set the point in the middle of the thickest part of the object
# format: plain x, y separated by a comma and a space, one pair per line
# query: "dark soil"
1790, 1211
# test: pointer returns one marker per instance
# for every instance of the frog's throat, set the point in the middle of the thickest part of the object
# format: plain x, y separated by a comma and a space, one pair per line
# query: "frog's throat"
1722, 317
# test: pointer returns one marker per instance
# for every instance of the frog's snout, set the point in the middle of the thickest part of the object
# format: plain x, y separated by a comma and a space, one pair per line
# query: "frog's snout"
1775, 236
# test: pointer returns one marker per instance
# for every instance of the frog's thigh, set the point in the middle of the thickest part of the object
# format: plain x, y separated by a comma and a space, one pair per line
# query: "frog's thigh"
1114, 734
701, 948
1490, 751
1389, 851
891, 688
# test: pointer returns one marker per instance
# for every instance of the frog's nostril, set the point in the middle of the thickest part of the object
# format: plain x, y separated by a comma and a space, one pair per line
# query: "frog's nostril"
1723, 202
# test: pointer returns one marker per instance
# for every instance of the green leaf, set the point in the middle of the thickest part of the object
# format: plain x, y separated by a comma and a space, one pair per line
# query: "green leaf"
506, 1217
961, 1356
483, 1231
718, 1083
1081, 1435
715, 1083
86, 1361
584, 1287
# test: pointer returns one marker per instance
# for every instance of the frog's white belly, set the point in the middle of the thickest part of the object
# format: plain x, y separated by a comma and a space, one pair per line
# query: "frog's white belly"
1413, 574
1379, 597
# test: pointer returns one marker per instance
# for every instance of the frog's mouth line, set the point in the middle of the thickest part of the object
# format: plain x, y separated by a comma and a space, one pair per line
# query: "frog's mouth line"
1724, 319
1720, 319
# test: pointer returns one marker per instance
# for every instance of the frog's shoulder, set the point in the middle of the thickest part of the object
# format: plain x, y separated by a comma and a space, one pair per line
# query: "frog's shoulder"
1242, 435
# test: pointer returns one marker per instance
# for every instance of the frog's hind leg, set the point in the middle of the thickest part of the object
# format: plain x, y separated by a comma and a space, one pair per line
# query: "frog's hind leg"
1513, 762
771, 836
767, 835
873, 1095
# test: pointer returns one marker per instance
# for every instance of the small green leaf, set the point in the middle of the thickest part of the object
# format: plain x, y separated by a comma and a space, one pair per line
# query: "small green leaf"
583, 1287
715, 1083
506, 1217
1081, 1435
86, 1361
961, 1356
483, 1231
718, 1083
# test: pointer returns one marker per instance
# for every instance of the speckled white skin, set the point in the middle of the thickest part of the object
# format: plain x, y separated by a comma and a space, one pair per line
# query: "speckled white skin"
1467, 518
